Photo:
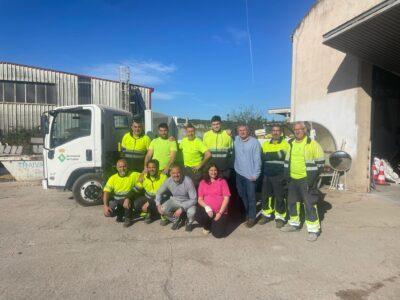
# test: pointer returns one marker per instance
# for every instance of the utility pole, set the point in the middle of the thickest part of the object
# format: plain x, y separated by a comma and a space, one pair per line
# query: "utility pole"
124, 86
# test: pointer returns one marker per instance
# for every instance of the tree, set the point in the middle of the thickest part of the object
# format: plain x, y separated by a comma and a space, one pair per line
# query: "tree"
248, 115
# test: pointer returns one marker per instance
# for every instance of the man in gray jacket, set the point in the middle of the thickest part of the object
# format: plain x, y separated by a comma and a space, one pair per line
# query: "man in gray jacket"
183, 199
248, 169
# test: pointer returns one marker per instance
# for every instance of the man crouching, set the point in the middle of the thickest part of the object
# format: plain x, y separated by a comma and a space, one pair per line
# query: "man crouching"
118, 194
183, 199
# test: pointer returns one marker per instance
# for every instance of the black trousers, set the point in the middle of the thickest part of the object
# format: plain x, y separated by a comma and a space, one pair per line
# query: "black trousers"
195, 176
275, 187
118, 209
300, 191
217, 228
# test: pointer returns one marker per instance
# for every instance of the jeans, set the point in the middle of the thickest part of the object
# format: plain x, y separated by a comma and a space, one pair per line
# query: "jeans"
247, 192
172, 205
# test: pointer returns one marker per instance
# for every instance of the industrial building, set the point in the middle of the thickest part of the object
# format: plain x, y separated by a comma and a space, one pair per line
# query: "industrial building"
26, 92
345, 76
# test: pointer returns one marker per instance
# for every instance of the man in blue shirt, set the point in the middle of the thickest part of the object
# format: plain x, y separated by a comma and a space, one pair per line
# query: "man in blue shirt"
248, 169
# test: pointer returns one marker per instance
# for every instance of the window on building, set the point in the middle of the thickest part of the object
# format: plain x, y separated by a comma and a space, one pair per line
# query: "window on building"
51, 94
30, 93
20, 92
121, 122
84, 90
1, 91
9, 92
40, 93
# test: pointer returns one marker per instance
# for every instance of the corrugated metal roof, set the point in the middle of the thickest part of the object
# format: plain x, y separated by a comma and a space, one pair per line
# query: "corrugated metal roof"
373, 36
74, 74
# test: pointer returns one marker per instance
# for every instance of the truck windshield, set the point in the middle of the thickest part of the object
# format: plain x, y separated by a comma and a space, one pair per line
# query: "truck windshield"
68, 126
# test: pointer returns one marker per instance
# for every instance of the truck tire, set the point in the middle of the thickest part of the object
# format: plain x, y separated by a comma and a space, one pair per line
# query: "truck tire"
88, 190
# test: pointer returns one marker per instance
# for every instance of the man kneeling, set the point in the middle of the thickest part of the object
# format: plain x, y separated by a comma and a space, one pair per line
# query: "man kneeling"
183, 200
150, 181
118, 194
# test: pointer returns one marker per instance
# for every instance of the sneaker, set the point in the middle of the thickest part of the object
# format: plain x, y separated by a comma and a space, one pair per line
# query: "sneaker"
279, 223
264, 220
128, 222
189, 226
289, 228
147, 219
176, 224
119, 219
312, 236
250, 223
164, 221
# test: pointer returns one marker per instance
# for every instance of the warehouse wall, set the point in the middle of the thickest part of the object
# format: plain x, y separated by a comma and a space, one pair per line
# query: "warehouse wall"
332, 88
27, 115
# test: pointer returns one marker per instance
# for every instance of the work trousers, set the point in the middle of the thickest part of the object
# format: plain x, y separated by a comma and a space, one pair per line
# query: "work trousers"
299, 191
119, 210
172, 205
217, 228
273, 197
195, 176
247, 192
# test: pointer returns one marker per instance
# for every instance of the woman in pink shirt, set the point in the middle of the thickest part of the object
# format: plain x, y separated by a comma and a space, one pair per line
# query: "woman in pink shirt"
213, 199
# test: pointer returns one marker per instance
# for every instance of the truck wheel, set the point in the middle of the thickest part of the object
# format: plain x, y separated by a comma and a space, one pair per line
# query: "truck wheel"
88, 190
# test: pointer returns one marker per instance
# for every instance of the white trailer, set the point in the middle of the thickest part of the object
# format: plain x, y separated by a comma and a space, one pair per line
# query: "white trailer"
81, 148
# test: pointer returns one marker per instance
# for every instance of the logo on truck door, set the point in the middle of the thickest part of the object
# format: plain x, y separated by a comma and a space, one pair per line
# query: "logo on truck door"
61, 157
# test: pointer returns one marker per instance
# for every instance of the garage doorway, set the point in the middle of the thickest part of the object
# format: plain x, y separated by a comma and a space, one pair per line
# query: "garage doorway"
385, 119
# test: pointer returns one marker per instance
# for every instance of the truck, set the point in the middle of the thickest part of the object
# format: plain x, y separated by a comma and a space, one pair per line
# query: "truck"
81, 148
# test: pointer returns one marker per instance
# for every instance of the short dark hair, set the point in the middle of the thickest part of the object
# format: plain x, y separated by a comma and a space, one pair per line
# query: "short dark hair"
277, 125
163, 125
137, 120
216, 119
189, 125
153, 161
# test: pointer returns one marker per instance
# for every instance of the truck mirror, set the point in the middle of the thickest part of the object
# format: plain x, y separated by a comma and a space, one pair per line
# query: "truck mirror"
44, 124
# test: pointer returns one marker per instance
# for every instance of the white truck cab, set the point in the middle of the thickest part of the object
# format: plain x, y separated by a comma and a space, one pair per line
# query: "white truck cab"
81, 148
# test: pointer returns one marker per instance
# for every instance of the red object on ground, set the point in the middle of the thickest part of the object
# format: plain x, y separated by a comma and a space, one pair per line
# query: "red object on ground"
381, 176
374, 172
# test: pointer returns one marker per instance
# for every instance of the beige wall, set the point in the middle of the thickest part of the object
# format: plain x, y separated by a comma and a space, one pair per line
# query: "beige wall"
332, 88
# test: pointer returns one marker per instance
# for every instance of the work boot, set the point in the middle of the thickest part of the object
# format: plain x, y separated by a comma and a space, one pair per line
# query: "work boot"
289, 228
250, 223
279, 223
312, 236
164, 221
264, 220
176, 224
128, 222
120, 218
147, 218
189, 226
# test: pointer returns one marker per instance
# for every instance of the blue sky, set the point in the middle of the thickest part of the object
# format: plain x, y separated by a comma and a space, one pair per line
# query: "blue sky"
194, 53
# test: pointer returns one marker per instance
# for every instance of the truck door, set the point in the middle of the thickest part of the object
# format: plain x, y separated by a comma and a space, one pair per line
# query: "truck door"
70, 144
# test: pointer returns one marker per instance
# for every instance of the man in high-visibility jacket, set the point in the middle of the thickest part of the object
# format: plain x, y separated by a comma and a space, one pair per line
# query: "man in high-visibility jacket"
303, 163
195, 154
119, 193
150, 181
162, 149
134, 146
273, 188
219, 142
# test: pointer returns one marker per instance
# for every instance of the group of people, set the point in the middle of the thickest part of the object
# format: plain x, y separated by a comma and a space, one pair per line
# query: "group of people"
194, 181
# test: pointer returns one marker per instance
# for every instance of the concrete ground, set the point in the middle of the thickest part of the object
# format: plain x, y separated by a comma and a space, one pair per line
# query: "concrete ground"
51, 247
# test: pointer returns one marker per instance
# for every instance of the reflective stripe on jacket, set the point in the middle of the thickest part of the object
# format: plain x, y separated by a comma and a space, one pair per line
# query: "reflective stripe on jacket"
314, 158
274, 154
